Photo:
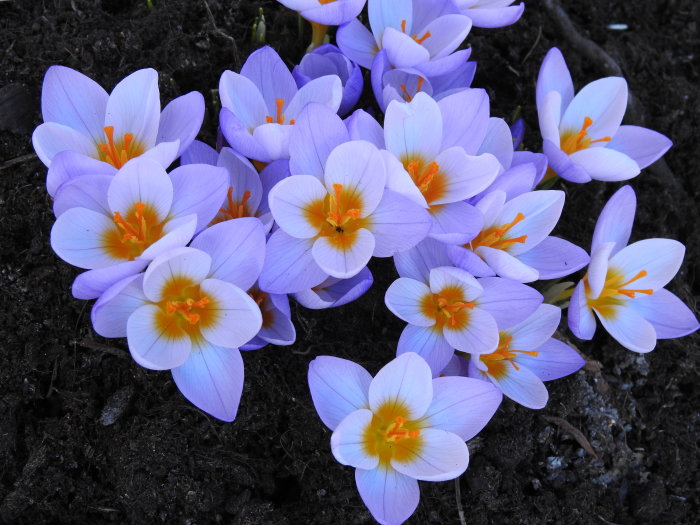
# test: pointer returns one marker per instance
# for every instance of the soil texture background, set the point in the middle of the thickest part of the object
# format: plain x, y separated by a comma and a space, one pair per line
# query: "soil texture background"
88, 436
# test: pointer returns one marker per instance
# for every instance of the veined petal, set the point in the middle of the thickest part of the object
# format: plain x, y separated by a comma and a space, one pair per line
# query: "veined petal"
237, 250
141, 180
554, 360
77, 238
49, 139
134, 107
407, 382
465, 175
348, 441
417, 262
93, 283
442, 456
541, 210
289, 265
397, 224
236, 132
334, 13
414, 129
605, 164
554, 76
292, 202
164, 153
498, 142
74, 100
362, 126
181, 120
505, 265
86, 191
644, 146
427, 342
579, 316
534, 331
660, 258
522, 386
628, 328
448, 277
338, 387
603, 101
549, 114
177, 233
243, 98
554, 258
496, 17
385, 13
335, 292
199, 153
469, 261
402, 50
326, 90
447, 34
112, 310
615, 221
508, 301
405, 297
465, 117
455, 223
238, 317
186, 263
346, 258
598, 269
270, 75
562, 164
669, 316
243, 177
461, 405
399, 181
212, 379
357, 43
198, 189
69, 165
273, 138
390, 496
151, 340
479, 336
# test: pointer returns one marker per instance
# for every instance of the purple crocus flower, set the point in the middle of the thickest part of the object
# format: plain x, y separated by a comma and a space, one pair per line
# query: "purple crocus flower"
491, 13
398, 427
277, 327
328, 60
526, 356
87, 131
326, 12
582, 135
335, 292
115, 225
189, 313
260, 105
624, 284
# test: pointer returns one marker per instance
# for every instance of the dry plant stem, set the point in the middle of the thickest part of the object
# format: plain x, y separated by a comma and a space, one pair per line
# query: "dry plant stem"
575, 432
17, 160
93, 345
458, 497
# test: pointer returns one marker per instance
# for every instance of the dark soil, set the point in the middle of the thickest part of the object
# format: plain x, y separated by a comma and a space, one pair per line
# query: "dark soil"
88, 436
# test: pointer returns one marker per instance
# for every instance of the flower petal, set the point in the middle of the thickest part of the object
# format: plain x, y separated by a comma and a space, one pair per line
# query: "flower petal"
644, 146
417, 262
390, 496
505, 265
605, 164
348, 440
181, 120
541, 209
77, 238
186, 263
447, 34
326, 90
666, 313
554, 258
397, 224
456, 222
243, 98
134, 107
405, 297
50, 139
427, 342
153, 342
293, 204
93, 283
69, 165
660, 258
615, 220
141, 180
603, 101
479, 336
198, 189
522, 386
554, 76
289, 265
629, 328
346, 258
465, 175
579, 316
270, 75
112, 310
508, 301
554, 360
414, 129
86, 191
238, 317
442, 456
335, 292
402, 51
465, 117
407, 382
598, 269
357, 43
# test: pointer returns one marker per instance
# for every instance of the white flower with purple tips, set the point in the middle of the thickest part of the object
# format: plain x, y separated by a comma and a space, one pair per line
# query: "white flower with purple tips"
398, 427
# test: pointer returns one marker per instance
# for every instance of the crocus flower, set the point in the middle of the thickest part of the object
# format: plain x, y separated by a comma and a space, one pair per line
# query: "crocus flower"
491, 13
413, 33
453, 310
514, 241
324, 13
581, 134
335, 292
334, 225
624, 284
99, 133
328, 60
277, 327
114, 226
398, 427
526, 356
189, 313
260, 105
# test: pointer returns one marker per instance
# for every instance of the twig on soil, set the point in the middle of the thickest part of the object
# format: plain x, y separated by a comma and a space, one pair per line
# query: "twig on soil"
17, 160
537, 41
458, 497
92, 345
592, 366
222, 33
575, 432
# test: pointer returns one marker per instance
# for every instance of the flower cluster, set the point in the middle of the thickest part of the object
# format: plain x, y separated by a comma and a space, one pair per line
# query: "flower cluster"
195, 263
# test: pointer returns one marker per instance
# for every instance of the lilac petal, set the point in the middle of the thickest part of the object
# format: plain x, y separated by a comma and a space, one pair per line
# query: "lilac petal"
187, 263
541, 210
198, 189
603, 101
605, 164
385, 13
452, 81
554, 76
348, 441
522, 386
442, 456
444, 66
417, 262
398, 224
414, 129
628, 328
334, 13
150, 343
469, 261
243, 98
428, 343
398, 84
465, 175
289, 265
515, 181
110, 313
93, 283
77, 238
236, 132
212, 380
338, 387
390, 496
534, 331
69, 164
496, 17
666, 313
271, 77
357, 43
74, 100
326, 90
549, 114
498, 142
177, 233
562, 164
199, 153
598, 269
134, 107
242, 177
615, 221
164, 153
461, 405
479, 336
554, 258
346, 260
237, 250
141, 180
554, 360
405, 381
399, 181
447, 34
317, 131
509, 302
405, 298
238, 317
660, 258
181, 120
455, 223
644, 146
402, 50
380, 67
337, 292
280, 330
455, 279
425, 12
458, 366
50, 139
274, 140
86, 191
539, 160
362, 126
465, 116
580, 317
506, 265
293, 204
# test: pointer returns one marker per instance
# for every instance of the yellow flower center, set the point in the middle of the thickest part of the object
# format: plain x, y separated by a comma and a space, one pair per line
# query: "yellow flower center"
233, 209
337, 216
119, 152
392, 435
427, 177
279, 118
497, 362
573, 141
184, 310
134, 231
613, 289
447, 308
415, 37
494, 237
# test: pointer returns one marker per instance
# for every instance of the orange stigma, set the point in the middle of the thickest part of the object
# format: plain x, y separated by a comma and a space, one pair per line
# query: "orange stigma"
571, 142
184, 308
395, 432
496, 361
613, 288
134, 232
415, 37
406, 95
449, 308
118, 153
336, 217
493, 237
233, 209
280, 116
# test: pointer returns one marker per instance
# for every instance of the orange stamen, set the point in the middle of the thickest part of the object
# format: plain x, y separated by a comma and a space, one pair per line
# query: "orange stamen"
279, 119
415, 37
494, 360
117, 155
449, 309
406, 95
396, 432
336, 217
422, 178
493, 237
233, 209
184, 308
572, 142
